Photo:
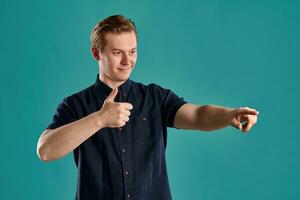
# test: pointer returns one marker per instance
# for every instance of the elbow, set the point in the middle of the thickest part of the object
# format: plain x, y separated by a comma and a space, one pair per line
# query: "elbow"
43, 154
43, 149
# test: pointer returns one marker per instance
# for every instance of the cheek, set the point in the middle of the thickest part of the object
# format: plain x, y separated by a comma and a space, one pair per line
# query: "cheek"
106, 65
114, 61
110, 63
134, 58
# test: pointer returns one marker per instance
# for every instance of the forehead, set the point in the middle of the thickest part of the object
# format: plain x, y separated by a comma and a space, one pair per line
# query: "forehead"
123, 41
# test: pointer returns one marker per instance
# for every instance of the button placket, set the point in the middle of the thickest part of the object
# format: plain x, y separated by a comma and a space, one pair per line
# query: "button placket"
122, 135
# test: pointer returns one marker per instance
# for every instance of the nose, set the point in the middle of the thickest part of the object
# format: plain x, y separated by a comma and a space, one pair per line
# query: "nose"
125, 60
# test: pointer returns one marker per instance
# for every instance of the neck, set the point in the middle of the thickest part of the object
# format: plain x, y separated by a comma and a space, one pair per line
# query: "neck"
111, 83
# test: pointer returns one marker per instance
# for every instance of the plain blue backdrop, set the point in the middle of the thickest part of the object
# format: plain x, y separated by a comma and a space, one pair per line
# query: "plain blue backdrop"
230, 53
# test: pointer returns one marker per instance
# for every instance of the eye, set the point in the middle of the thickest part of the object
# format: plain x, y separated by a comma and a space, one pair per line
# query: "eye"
116, 53
132, 52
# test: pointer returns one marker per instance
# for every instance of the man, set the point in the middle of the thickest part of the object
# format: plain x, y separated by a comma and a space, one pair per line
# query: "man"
117, 128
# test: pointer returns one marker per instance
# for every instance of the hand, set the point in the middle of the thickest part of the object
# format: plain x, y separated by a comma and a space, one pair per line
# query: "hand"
243, 118
114, 114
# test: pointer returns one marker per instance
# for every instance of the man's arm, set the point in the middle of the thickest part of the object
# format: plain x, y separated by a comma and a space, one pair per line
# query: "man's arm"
211, 117
56, 143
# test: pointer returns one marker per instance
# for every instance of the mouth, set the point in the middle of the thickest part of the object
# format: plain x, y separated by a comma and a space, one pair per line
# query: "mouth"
124, 69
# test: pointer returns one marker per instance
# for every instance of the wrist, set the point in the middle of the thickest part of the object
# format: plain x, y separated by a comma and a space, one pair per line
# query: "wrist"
97, 119
229, 115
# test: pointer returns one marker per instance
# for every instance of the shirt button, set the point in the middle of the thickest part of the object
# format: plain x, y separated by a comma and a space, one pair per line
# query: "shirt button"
144, 118
120, 129
123, 150
128, 195
124, 94
126, 172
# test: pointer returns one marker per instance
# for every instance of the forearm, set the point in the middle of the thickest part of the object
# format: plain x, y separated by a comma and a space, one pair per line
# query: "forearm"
212, 117
60, 141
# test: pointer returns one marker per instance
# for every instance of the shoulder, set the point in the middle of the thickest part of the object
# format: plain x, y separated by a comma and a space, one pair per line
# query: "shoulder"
83, 95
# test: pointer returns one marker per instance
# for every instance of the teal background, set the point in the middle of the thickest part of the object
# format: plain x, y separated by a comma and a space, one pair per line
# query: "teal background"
231, 53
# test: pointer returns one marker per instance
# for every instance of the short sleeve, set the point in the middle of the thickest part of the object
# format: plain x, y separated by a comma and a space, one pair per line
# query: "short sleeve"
170, 104
63, 115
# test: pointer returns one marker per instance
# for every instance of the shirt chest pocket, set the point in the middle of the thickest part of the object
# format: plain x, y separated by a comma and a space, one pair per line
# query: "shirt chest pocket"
146, 128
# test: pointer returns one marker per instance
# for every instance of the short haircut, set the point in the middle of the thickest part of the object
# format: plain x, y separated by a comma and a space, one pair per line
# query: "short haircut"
111, 24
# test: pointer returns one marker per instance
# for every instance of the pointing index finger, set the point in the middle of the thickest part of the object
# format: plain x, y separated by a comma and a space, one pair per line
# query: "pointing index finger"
247, 111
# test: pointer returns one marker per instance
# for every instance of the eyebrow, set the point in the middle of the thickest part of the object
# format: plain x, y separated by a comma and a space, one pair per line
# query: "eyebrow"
122, 50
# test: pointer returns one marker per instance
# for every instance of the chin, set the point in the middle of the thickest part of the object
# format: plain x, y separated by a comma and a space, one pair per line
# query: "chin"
125, 78
122, 78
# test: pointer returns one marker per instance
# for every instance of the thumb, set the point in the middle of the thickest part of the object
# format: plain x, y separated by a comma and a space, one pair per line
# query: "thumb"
112, 95
235, 123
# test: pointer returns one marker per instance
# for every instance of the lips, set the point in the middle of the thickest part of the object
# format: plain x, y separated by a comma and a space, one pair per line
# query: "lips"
124, 69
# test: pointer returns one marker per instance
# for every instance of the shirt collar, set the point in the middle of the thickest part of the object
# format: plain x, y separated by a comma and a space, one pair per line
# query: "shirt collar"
124, 88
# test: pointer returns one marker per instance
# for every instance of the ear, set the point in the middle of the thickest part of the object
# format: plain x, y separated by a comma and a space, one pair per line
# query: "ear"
96, 53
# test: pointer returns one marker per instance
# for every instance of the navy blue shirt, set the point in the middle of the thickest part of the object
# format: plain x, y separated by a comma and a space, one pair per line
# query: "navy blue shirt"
127, 162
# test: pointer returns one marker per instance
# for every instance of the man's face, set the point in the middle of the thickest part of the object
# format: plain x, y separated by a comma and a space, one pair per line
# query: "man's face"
118, 57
